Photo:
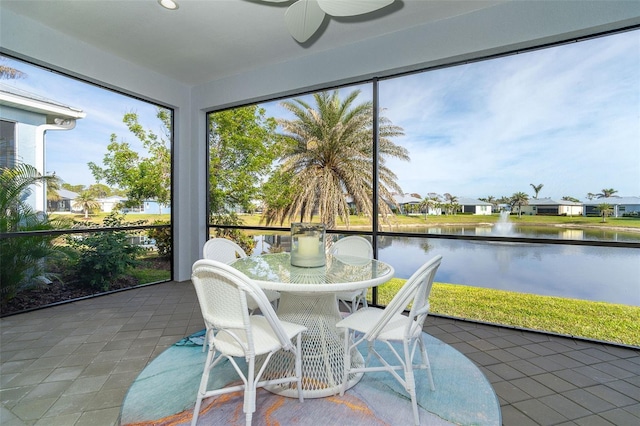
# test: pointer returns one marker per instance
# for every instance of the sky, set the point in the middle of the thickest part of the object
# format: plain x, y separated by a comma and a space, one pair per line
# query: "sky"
566, 117
67, 153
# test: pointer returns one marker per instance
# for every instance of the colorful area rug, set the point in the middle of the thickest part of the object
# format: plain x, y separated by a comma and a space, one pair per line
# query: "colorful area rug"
165, 393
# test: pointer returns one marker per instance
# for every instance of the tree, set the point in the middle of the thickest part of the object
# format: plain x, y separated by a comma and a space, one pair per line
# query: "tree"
569, 198
87, 202
328, 157
242, 147
10, 73
606, 193
536, 189
605, 210
591, 195
451, 203
519, 199
143, 178
73, 188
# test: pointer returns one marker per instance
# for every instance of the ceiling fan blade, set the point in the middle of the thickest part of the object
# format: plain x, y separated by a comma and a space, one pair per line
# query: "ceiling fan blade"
303, 18
352, 7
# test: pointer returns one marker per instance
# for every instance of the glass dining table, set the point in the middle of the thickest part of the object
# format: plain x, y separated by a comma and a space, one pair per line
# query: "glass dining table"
308, 297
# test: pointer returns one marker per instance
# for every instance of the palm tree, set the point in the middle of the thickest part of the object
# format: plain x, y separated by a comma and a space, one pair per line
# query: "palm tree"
606, 193
451, 201
22, 257
570, 198
605, 210
328, 158
519, 199
537, 189
87, 202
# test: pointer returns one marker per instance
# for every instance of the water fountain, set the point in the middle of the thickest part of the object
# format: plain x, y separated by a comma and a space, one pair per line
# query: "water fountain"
503, 227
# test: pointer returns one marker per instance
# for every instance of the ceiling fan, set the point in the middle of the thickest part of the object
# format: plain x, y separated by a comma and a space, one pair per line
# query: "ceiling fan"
304, 17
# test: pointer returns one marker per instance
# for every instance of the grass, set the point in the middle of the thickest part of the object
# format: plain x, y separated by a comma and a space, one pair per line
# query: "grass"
459, 219
593, 320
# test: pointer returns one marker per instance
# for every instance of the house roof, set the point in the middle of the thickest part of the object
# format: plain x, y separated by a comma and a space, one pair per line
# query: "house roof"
613, 201
66, 194
551, 202
17, 98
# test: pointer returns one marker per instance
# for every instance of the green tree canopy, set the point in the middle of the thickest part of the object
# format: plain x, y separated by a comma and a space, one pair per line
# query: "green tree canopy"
143, 178
328, 158
243, 144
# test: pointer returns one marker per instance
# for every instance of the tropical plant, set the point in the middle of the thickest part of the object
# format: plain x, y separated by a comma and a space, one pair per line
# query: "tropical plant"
87, 202
569, 198
606, 193
23, 258
106, 255
536, 189
605, 210
328, 159
519, 199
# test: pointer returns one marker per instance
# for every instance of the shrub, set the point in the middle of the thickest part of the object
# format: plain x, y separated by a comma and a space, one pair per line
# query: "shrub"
162, 236
104, 256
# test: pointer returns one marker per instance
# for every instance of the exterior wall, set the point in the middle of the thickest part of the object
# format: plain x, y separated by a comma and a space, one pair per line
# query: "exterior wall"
571, 210
26, 123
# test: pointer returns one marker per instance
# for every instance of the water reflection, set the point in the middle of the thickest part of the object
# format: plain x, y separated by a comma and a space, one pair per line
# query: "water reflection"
607, 274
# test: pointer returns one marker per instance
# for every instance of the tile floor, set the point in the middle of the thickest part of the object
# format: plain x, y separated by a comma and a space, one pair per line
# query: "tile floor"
72, 364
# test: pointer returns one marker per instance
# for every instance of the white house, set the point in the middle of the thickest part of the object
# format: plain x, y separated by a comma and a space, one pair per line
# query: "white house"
548, 206
25, 118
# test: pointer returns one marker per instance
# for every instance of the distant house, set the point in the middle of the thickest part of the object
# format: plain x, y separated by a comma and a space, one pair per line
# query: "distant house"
548, 206
473, 206
24, 120
108, 204
64, 204
408, 203
621, 206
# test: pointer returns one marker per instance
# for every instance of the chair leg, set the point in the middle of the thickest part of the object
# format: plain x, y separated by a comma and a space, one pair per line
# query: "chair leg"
249, 405
425, 361
202, 390
299, 367
347, 361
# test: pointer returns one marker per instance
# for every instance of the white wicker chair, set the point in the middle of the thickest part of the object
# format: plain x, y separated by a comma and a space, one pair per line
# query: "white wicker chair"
359, 247
390, 325
227, 251
223, 293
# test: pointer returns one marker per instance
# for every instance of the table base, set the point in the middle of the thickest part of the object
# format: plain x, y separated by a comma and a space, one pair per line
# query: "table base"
322, 347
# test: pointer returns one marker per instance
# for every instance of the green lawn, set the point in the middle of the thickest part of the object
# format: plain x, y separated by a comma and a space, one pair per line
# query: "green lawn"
459, 219
594, 320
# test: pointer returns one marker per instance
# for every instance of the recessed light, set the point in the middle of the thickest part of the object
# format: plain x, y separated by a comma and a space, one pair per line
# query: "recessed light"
169, 4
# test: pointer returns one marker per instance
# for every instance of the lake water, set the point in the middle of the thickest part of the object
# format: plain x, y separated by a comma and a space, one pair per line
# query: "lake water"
606, 274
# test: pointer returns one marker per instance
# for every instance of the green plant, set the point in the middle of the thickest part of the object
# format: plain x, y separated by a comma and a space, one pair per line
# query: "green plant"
162, 236
104, 256
231, 219
23, 258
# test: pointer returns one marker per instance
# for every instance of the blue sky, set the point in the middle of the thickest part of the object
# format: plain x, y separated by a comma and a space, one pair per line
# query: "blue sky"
68, 152
566, 117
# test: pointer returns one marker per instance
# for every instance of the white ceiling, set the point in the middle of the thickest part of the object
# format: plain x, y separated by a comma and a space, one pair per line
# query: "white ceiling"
207, 40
